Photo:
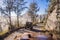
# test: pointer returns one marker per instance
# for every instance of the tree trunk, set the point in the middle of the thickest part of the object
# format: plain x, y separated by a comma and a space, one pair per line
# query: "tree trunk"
17, 21
10, 21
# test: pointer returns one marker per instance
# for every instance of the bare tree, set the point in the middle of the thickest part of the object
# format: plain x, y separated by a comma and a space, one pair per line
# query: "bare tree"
13, 5
6, 11
33, 9
18, 8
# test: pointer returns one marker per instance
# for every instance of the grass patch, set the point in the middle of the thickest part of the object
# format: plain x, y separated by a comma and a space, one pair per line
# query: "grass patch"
3, 32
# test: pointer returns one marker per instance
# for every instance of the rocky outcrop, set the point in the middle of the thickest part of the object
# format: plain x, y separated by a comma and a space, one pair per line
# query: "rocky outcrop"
52, 18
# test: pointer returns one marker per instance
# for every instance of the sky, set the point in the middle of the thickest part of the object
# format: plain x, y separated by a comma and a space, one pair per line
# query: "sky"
42, 4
